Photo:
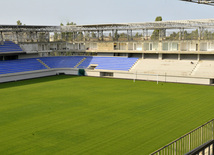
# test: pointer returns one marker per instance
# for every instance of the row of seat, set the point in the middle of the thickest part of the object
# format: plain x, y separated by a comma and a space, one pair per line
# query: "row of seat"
22, 65
112, 63
105, 63
9, 46
62, 62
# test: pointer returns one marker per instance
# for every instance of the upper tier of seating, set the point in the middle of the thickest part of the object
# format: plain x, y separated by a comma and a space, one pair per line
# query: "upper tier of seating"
109, 63
9, 46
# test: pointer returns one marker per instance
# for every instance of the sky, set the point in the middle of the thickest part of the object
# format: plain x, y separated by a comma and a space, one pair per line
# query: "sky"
54, 12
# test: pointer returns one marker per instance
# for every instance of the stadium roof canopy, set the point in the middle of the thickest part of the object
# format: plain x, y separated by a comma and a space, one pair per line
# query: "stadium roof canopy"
207, 2
28, 28
176, 24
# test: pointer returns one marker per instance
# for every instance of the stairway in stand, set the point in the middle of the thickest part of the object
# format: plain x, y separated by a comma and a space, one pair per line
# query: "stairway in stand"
44, 64
79, 63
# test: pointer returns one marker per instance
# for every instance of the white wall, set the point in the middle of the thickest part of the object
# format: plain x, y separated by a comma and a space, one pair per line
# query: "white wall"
30, 48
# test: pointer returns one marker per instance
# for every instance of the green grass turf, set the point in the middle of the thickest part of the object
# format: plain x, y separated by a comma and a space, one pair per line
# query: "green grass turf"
86, 115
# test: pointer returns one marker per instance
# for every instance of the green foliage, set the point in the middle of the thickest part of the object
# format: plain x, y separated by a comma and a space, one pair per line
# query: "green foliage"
174, 36
56, 36
208, 35
42, 37
155, 34
93, 35
123, 35
19, 22
71, 23
86, 115
158, 18
79, 35
191, 36
137, 35
64, 36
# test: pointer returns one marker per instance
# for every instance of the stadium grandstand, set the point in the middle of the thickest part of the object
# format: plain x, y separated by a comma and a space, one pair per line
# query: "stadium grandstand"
169, 51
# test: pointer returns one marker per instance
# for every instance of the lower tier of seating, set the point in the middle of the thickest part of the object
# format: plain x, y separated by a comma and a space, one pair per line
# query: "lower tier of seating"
41, 63
204, 68
194, 68
62, 62
22, 65
109, 63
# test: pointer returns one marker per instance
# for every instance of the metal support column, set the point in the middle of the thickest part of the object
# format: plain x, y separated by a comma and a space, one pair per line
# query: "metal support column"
2, 40
17, 38
115, 35
102, 35
160, 34
66, 36
37, 37
84, 35
112, 35
147, 33
201, 32
131, 34
181, 34
98, 35
127, 35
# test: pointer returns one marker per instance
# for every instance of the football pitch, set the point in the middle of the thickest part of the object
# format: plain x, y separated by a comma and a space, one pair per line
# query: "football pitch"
87, 115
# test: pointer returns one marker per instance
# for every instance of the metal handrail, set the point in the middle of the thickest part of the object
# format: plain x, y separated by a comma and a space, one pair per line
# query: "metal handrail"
184, 136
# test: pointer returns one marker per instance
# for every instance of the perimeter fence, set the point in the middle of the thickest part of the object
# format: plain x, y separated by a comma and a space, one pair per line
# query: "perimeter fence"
189, 141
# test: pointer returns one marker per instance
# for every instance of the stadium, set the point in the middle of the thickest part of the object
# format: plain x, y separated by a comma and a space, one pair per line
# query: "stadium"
123, 88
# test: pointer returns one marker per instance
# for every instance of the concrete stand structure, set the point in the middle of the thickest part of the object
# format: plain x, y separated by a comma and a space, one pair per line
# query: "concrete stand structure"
175, 51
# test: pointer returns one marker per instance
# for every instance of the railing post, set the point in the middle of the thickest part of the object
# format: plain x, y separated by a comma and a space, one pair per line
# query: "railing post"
189, 142
209, 150
212, 129
201, 135
213, 148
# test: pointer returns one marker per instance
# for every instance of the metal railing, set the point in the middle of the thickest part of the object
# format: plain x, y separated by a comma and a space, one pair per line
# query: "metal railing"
205, 149
189, 141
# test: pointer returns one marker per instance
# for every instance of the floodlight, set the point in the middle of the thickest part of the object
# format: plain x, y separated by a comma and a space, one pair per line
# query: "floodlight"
207, 2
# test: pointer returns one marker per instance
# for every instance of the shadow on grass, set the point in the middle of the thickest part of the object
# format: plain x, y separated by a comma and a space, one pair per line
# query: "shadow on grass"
35, 80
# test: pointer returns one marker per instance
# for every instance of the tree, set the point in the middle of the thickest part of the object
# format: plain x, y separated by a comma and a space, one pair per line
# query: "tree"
109, 35
93, 35
79, 35
155, 34
174, 36
69, 35
158, 18
56, 36
71, 23
122, 35
19, 22
137, 35
65, 36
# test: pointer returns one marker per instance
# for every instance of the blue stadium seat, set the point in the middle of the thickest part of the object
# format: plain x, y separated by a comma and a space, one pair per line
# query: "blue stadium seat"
32, 64
62, 61
22, 65
9, 46
109, 63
